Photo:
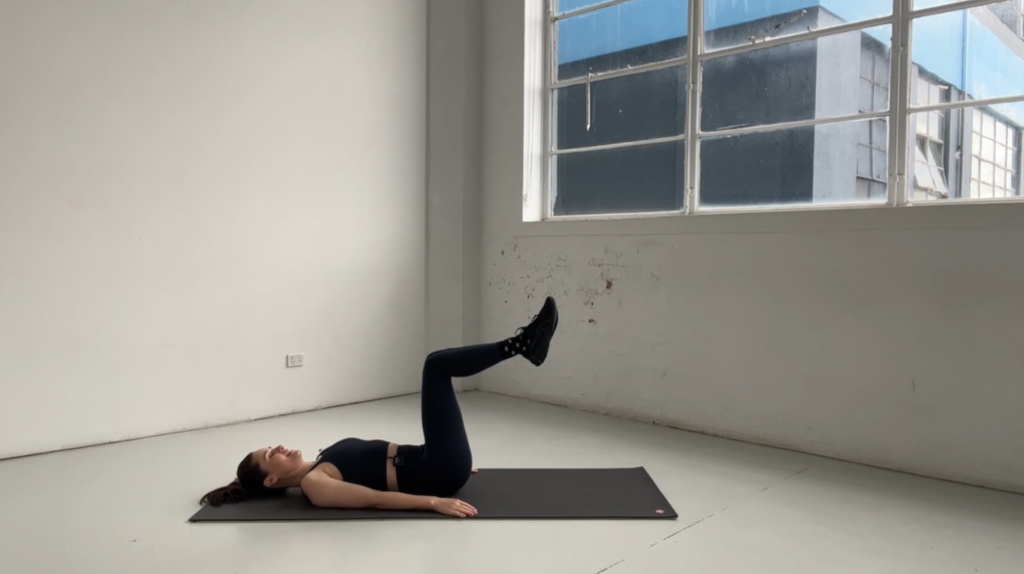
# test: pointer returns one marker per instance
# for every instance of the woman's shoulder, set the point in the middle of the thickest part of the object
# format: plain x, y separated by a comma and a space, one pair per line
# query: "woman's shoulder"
318, 474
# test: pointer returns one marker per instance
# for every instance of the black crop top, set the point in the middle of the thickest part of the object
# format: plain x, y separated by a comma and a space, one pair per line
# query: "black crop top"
359, 461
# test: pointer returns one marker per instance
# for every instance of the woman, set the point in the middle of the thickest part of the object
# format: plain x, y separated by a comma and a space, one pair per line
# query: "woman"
357, 473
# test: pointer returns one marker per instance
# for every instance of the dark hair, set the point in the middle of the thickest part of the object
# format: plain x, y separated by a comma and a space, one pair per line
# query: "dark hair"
247, 485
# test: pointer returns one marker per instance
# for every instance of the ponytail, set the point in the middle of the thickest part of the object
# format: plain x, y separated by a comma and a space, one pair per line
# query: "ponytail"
247, 486
229, 494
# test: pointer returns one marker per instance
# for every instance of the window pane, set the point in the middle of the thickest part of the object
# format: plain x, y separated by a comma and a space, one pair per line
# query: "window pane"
988, 152
930, 179
866, 95
978, 162
562, 6
807, 165
643, 178
620, 36
987, 172
935, 126
729, 23
629, 108
968, 49
864, 162
920, 122
818, 78
923, 180
988, 126
921, 4
940, 180
921, 92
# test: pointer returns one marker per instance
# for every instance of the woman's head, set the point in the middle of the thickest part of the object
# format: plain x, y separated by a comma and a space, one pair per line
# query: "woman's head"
263, 472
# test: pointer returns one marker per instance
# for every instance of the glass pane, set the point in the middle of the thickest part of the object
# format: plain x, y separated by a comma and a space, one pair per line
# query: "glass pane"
978, 160
866, 95
988, 152
644, 178
629, 34
807, 165
864, 162
931, 174
729, 23
629, 108
934, 129
969, 51
921, 124
810, 79
922, 4
563, 6
987, 172
940, 180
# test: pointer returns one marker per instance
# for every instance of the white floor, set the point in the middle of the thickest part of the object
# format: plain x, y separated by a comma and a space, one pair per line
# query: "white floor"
123, 508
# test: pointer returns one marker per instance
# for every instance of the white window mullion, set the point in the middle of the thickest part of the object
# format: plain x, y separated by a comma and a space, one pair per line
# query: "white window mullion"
695, 31
899, 101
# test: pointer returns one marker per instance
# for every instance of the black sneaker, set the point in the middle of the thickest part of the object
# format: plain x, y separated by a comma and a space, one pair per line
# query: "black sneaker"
537, 335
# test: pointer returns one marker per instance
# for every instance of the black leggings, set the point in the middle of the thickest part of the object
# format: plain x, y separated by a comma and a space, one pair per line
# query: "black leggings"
442, 465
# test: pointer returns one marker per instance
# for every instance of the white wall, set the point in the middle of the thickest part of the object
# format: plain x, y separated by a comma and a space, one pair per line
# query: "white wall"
189, 190
886, 337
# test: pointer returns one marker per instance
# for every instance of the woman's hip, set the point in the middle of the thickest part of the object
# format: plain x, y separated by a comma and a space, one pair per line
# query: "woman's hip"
430, 474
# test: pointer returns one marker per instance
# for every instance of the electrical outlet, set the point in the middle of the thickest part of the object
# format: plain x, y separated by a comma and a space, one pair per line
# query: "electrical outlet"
296, 360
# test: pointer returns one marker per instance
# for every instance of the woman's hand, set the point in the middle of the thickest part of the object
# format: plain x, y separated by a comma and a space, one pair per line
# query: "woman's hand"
452, 507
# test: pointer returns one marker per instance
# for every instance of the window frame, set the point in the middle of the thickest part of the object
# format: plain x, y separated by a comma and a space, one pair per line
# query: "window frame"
540, 153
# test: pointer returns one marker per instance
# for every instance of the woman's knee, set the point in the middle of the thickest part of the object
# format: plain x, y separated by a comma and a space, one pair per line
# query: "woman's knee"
435, 364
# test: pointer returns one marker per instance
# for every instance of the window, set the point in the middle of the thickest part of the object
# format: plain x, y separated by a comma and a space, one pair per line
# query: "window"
995, 157
873, 94
930, 137
702, 105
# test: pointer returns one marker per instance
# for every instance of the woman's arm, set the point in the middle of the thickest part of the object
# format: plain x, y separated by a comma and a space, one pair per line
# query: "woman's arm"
326, 491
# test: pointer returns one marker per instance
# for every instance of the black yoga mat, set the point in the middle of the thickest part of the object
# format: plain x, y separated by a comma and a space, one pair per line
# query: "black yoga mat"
620, 493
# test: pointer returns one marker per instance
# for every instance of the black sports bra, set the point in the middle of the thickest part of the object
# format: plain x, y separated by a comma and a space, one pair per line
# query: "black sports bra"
359, 461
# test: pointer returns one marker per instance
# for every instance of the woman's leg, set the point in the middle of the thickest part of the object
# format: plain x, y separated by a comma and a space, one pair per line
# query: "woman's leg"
447, 451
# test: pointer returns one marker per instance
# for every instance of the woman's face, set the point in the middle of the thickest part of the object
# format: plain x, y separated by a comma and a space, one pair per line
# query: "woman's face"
277, 462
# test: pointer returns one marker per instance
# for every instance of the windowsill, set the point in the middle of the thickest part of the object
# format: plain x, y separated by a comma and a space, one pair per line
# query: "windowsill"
961, 214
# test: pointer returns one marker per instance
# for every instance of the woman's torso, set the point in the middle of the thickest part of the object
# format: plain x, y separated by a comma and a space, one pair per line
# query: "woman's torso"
369, 463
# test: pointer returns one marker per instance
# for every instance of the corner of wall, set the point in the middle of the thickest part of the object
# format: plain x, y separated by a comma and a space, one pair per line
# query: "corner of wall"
454, 173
